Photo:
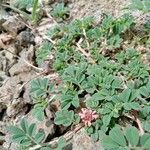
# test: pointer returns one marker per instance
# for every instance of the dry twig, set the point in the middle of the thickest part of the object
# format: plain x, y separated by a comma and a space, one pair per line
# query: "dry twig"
86, 39
87, 55
135, 118
25, 61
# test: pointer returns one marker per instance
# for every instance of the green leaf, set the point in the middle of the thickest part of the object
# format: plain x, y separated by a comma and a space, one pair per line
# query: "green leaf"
132, 135
109, 144
43, 52
34, 11
64, 117
39, 87
38, 113
132, 105
106, 119
115, 41
32, 129
144, 91
117, 136
137, 4
69, 98
125, 95
26, 142
18, 138
27, 135
145, 140
92, 103
60, 11
39, 137
24, 124
14, 130
147, 126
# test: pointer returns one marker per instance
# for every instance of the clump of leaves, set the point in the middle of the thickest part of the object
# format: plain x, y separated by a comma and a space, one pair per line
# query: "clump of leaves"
129, 139
26, 135
43, 52
101, 75
142, 5
40, 93
64, 117
40, 87
60, 11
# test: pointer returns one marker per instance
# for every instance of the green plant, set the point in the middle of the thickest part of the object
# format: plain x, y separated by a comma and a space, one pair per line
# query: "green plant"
117, 82
40, 93
26, 135
127, 140
102, 72
60, 11
40, 87
64, 117
142, 5
43, 52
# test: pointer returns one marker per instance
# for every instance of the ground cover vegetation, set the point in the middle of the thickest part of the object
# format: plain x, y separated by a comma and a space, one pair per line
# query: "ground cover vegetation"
105, 80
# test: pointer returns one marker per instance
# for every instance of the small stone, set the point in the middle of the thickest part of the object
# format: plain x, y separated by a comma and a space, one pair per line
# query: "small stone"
9, 55
25, 38
81, 141
3, 78
21, 66
13, 25
3, 62
15, 107
2, 148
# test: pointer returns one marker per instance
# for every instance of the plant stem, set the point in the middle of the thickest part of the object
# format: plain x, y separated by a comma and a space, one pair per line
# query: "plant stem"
34, 15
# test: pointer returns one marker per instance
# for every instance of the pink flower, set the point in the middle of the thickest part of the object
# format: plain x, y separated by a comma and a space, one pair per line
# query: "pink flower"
87, 116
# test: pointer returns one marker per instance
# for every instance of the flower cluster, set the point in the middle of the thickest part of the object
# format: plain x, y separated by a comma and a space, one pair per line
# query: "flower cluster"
87, 116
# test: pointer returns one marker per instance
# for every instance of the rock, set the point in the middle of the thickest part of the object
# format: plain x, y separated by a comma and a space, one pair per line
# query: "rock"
2, 148
3, 78
3, 16
46, 24
5, 40
8, 145
8, 92
17, 103
3, 62
21, 66
18, 68
28, 54
13, 25
26, 95
9, 55
2, 127
15, 107
81, 141
25, 38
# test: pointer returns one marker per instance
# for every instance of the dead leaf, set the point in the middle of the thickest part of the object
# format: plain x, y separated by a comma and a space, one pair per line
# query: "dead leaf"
5, 39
